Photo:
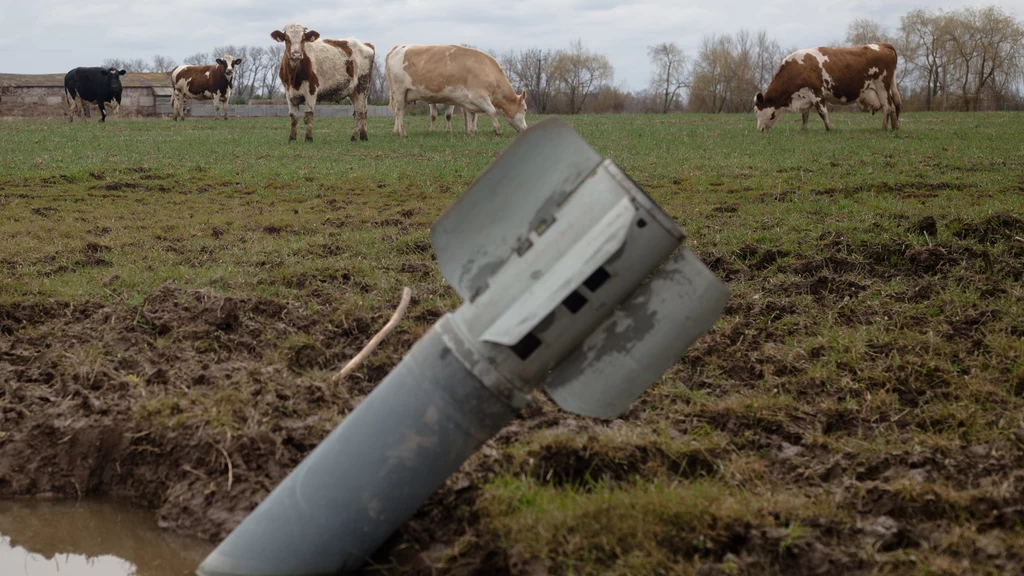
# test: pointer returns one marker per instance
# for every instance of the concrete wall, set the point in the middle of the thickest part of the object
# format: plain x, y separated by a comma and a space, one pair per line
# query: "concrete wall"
141, 101
137, 100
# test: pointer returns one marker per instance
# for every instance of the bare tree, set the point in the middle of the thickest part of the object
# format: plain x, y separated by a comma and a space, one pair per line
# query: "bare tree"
984, 43
134, 65
270, 81
709, 90
378, 83
767, 57
198, 59
162, 64
924, 51
670, 74
866, 31
578, 71
530, 70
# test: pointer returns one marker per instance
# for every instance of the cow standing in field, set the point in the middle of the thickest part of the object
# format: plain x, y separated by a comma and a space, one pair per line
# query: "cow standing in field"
212, 82
808, 79
97, 85
450, 74
315, 69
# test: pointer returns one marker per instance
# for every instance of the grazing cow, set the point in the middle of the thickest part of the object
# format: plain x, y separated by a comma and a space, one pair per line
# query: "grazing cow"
317, 69
213, 82
810, 78
449, 74
97, 85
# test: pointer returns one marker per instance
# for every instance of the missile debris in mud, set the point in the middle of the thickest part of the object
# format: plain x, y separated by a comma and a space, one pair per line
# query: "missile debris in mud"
573, 280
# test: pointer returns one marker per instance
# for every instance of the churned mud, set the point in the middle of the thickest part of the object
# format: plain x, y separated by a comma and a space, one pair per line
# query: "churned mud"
135, 400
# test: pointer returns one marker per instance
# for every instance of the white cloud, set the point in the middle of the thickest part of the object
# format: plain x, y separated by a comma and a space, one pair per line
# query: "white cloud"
48, 36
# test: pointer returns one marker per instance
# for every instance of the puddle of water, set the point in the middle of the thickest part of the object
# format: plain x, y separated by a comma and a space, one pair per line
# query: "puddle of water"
91, 538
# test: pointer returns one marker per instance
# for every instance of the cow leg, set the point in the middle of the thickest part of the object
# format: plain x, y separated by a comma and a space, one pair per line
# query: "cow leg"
433, 115
400, 104
887, 110
448, 110
397, 109
806, 115
495, 123
823, 112
470, 120
227, 100
308, 118
293, 113
359, 105
103, 113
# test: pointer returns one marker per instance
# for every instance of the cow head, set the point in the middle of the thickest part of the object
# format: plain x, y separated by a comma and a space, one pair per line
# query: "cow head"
766, 115
113, 78
517, 115
228, 63
294, 36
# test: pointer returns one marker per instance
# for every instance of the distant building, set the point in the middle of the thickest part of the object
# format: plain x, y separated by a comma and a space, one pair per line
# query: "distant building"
147, 94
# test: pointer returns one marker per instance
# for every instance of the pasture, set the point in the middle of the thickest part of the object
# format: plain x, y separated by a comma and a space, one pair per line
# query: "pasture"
174, 298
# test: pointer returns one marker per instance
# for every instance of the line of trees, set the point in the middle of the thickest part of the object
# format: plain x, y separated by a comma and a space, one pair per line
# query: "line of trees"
968, 59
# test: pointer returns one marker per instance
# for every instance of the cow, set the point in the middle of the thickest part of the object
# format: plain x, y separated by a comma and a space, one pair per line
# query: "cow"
450, 74
211, 82
315, 69
96, 85
811, 78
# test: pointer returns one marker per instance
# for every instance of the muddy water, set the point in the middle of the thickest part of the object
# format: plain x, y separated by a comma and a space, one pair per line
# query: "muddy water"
90, 538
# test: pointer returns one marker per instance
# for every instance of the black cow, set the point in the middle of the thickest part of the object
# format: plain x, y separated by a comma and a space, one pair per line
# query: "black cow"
97, 85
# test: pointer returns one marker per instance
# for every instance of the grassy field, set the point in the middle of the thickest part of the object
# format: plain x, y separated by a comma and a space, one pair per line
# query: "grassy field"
173, 295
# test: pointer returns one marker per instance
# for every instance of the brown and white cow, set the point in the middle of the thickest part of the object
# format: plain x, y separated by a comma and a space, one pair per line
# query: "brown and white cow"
211, 82
808, 79
315, 69
450, 74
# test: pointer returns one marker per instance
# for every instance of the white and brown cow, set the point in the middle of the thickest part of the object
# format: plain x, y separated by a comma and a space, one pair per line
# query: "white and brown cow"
212, 82
315, 69
450, 74
810, 79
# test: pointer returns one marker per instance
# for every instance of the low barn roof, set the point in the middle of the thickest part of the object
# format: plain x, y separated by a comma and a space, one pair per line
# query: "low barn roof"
130, 80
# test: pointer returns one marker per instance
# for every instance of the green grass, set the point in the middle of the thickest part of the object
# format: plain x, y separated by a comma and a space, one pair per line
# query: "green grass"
868, 369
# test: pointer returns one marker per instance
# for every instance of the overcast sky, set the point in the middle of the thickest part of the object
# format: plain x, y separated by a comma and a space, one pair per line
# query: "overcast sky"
49, 36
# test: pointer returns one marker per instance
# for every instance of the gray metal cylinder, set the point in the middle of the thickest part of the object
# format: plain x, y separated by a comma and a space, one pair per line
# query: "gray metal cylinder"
370, 474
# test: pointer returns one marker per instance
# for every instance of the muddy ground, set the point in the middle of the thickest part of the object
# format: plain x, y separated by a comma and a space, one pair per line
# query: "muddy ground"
82, 383
857, 410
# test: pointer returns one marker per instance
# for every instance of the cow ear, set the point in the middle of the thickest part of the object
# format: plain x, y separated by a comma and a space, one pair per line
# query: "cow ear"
522, 97
759, 99
238, 62
277, 35
221, 62
122, 72
310, 36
